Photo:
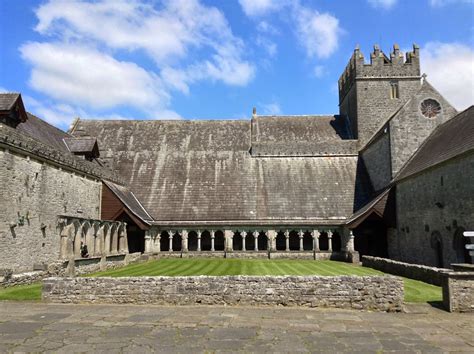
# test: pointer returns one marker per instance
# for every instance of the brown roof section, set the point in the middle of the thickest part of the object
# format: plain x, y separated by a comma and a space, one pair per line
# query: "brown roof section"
11, 107
382, 206
449, 140
8, 100
199, 171
44, 132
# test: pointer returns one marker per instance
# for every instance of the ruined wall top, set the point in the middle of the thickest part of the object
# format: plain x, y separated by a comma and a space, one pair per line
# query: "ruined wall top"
380, 66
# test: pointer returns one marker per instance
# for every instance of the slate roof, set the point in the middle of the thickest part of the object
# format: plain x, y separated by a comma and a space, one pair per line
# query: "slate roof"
81, 144
202, 171
302, 136
44, 132
130, 201
7, 100
449, 140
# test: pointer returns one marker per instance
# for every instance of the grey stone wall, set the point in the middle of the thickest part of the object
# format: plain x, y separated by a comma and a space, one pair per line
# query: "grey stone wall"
34, 194
381, 293
409, 128
435, 207
377, 162
458, 291
427, 274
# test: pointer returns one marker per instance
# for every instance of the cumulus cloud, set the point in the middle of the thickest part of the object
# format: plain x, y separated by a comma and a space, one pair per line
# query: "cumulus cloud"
317, 32
77, 61
450, 69
384, 4
82, 75
260, 7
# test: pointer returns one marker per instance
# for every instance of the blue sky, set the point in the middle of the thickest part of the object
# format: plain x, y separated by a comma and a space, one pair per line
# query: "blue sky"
200, 59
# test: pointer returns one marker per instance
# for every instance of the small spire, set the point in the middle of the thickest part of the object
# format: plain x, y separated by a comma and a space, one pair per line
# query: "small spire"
423, 76
254, 111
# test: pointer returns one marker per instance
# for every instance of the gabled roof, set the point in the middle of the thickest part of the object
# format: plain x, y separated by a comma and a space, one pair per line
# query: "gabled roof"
11, 106
379, 205
130, 201
449, 140
82, 145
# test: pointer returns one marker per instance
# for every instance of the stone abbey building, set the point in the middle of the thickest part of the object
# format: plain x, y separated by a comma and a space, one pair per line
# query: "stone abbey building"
390, 175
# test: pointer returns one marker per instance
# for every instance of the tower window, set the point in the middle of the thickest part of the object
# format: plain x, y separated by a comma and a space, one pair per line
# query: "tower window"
394, 90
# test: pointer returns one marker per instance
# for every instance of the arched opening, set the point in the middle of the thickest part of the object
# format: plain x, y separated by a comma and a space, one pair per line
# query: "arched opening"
192, 241
459, 245
262, 241
436, 242
336, 242
249, 242
370, 237
206, 241
219, 240
164, 241
307, 241
323, 241
176, 242
294, 241
237, 241
280, 241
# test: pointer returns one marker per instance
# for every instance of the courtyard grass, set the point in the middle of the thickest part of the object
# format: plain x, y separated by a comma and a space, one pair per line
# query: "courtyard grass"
415, 291
22, 293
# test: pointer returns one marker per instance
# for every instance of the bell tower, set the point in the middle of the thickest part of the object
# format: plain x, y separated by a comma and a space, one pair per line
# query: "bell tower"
370, 93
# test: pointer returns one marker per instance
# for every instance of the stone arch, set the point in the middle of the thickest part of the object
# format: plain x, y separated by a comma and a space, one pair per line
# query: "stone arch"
294, 240
192, 241
323, 241
249, 241
262, 241
436, 242
96, 248
77, 238
165, 241
307, 241
237, 241
113, 246
105, 239
68, 233
205, 240
459, 246
88, 236
219, 240
280, 242
177, 241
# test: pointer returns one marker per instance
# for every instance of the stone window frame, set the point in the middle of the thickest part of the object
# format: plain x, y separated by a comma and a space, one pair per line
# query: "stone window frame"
428, 99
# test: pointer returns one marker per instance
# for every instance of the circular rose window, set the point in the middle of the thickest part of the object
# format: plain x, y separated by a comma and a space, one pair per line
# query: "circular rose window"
430, 108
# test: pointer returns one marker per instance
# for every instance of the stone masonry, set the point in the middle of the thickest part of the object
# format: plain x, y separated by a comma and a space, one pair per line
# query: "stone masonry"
380, 293
458, 291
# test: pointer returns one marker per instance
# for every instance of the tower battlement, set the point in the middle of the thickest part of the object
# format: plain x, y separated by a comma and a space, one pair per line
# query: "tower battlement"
396, 66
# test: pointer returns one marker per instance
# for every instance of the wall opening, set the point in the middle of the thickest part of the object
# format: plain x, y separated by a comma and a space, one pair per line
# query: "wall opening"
370, 237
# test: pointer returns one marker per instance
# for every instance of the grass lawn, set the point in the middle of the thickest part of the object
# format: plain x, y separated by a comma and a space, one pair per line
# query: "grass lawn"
415, 291
22, 292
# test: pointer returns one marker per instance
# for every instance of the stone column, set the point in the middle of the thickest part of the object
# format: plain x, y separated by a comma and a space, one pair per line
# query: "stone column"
229, 240
316, 235
255, 236
157, 244
115, 240
244, 235
106, 245
271, 236
301, 235
170, 234
199, 232
330, 241
287, 241
184, 241
125, 238
122, 236
213, 235
148, 246
350, 244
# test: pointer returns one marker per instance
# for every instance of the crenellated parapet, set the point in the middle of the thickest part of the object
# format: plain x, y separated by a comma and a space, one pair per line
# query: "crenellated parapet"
380, 66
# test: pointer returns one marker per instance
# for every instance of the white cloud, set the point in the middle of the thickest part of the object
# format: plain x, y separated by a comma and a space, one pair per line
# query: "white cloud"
317, 32
440, 3
319, 71
384, 4
450, 69
265, 27
254, 8
271, 109
84, 76
269, 46
186, 40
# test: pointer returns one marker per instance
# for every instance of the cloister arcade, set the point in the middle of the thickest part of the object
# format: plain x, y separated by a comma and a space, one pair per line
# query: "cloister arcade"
243, 240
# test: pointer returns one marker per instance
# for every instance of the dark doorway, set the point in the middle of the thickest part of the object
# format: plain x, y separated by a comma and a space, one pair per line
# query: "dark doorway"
336, 242
135, 235
294, 241
280, 241
249, 242
219, 241
192, 241
307, 241
262, 241
323, 241
165, 241
176, 242
237, 242
370, 237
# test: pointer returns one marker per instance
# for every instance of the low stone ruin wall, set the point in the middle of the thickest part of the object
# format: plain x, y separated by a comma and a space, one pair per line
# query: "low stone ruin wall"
61, 269
426, 274
379, 293
458, 291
